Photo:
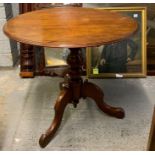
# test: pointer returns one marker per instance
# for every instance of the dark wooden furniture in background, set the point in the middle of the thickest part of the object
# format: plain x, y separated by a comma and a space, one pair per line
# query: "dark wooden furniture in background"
32, 63
151, 53
151, 40
151, 142
72, 28
27, 63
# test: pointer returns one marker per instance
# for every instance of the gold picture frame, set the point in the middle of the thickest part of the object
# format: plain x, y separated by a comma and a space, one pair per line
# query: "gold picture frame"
100, 66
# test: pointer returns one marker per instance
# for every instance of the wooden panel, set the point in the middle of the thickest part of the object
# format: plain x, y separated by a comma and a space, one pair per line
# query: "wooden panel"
151, 53
151, 60
151, 142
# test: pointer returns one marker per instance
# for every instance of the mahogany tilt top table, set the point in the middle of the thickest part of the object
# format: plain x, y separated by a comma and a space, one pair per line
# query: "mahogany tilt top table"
72, 28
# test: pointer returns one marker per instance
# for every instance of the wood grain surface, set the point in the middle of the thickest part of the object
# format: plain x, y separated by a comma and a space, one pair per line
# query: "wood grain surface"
70, 27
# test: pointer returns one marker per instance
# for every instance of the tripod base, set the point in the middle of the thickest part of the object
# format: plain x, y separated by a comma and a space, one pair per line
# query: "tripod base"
72, 89
84, 89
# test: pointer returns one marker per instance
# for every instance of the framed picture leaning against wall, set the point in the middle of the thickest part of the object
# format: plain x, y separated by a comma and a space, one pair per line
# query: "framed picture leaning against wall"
126, 58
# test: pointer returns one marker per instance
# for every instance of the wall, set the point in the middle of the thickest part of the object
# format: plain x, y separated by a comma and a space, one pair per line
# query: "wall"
8, 48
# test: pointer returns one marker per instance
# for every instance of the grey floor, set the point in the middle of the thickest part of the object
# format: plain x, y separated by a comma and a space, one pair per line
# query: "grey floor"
26, 110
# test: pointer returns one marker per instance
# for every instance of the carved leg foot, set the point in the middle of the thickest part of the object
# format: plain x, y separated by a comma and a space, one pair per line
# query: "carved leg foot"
94, 92
64, 98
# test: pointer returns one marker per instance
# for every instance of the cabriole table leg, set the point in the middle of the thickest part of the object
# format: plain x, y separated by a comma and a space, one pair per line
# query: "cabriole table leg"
62, 101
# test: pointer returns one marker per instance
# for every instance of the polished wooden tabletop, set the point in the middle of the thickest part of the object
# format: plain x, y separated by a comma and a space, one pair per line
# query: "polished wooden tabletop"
70, 27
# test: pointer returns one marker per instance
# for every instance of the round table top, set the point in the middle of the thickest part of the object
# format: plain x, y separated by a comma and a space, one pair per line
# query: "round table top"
70, 27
